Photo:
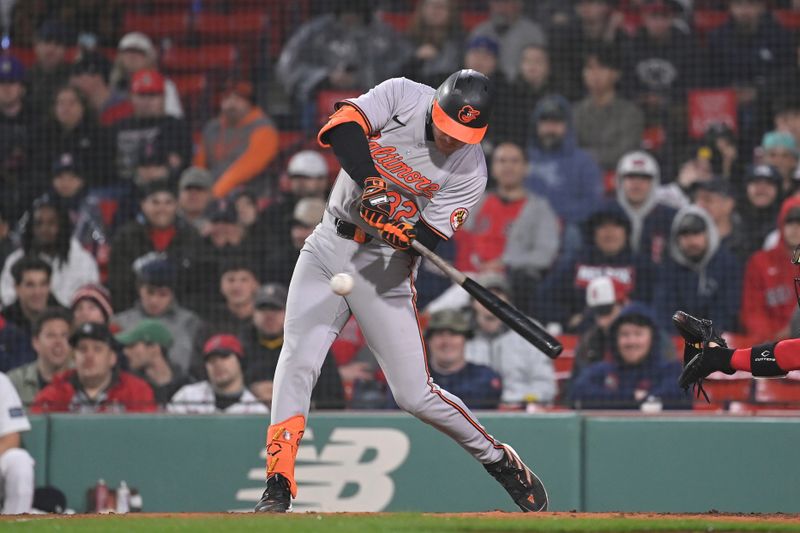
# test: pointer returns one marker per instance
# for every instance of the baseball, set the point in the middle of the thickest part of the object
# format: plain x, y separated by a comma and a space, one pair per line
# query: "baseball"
342, 284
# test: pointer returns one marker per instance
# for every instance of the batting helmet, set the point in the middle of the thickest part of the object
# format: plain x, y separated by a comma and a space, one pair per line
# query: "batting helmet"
462, 105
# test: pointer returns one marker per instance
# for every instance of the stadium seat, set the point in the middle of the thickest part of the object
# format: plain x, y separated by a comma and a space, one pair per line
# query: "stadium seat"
789, 18
400, 21
781, 391
236, 27
707, 20
470, 19
174, 26
193, 89
220, 58
326, 100
724, 391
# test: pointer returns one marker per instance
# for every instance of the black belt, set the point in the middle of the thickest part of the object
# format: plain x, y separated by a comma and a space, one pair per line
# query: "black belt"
348, 230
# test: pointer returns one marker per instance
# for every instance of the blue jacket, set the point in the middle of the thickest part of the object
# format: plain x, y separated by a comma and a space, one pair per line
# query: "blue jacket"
612, 384
710, 288
15, 347
478, 386
567, 176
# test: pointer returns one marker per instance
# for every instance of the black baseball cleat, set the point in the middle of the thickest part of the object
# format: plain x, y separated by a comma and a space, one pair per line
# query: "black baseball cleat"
524, 487
277, 497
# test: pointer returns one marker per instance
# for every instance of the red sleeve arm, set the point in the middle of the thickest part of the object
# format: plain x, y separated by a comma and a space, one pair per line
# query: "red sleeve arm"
753, 313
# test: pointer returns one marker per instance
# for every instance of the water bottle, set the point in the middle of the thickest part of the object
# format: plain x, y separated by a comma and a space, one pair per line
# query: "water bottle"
101, 496
123, 498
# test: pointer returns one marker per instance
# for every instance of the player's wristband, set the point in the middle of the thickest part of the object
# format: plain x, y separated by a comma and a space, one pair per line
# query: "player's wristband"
425, 236
762, 361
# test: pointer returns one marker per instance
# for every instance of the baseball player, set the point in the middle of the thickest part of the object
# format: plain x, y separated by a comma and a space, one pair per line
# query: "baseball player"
16, 464
770, 359
412, 168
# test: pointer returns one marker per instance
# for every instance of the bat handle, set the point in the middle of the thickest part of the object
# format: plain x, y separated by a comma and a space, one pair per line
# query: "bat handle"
453, 273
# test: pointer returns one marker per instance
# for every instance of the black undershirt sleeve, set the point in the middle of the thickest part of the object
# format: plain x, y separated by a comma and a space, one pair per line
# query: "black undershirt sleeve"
425, 236
352, 150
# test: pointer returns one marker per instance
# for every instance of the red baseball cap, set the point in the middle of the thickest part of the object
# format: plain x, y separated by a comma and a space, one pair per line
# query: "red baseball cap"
147, 82
223, 344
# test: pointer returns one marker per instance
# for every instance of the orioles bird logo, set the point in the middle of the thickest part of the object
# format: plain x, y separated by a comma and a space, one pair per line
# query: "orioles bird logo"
458, 217
467, 114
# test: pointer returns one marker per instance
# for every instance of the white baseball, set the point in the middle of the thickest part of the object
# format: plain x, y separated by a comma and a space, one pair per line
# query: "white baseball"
342, 284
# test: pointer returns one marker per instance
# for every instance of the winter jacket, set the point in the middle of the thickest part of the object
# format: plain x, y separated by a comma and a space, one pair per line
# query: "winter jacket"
64, 394
608, 132
133, 241
613, 384
768, 298
710, 288
478, 386
372, 53
200, 398
236, 154
131, 135
89, 145
566, 176
666, 68
68, 276
524, 234
527, 373
650, 223
15, 346
183, 324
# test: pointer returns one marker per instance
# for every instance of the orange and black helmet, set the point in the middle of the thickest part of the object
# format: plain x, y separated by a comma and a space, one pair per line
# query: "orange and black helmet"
462, 105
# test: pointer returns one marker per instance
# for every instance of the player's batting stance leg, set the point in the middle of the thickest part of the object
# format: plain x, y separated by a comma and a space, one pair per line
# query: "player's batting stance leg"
371, 219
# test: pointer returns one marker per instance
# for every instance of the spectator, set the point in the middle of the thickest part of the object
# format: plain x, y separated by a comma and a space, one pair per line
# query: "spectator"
91, 303
157, 229
478, 386
95, 385
722, 143
53, 354
699, 277
327, 52
760, 206
136, 53
224, 391
787, 117
534, 80
51, 70
156, 280
437, 36
696, 166
194, 198
661, 64
71, 128
146, 346
16, 121
562, 295
263, 340
781, 153
16, 474
638, 178
638, 372
90, 74
768, 296
513, 229
6, 242
150, 125
481, 55
512, 30
564, 174
605, 299
31, 276
308, 178
279, 264
606, 125
527, 374
747, 49
597, 26
245, 202
716, 199
238, 145
48, 234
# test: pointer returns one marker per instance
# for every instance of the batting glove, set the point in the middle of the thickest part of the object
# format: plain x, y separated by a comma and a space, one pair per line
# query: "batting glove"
398, 235
374, 208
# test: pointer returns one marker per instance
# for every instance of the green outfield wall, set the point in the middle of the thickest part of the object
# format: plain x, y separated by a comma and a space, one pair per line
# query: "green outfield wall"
392, 462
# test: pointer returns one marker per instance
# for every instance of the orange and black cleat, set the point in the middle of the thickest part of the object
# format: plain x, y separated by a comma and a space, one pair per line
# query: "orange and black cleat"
524, 487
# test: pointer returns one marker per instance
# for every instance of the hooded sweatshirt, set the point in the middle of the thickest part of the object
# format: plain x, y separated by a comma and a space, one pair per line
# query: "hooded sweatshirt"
565, 175
650, 222
709, 288
613, 384
768, 298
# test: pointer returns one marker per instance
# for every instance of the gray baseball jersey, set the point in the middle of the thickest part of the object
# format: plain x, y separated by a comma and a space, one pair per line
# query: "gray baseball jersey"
423, 184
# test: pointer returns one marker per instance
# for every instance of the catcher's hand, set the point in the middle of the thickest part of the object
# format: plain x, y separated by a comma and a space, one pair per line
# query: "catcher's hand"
398, 235
704, 351
375, 208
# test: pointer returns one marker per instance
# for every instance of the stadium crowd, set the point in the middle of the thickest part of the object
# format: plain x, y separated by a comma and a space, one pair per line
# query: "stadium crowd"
642, 160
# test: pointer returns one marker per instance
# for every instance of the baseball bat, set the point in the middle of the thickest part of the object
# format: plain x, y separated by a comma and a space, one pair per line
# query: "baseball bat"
531, 330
